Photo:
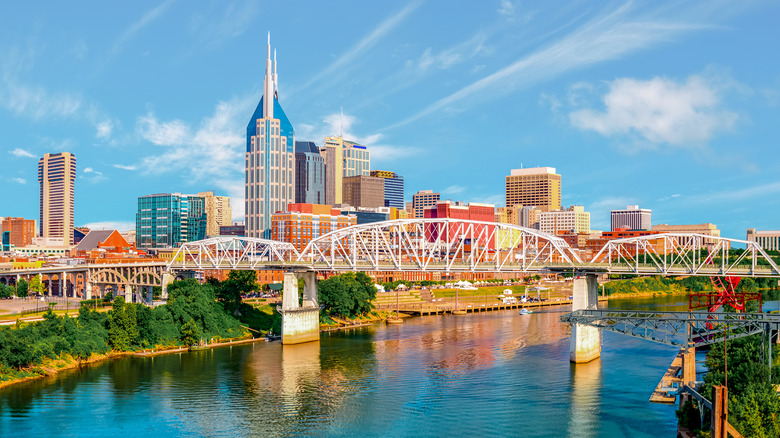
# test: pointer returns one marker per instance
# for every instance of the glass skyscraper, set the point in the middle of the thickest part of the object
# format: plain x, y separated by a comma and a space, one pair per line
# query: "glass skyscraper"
166, 220
394, 188
309, 174
269, 160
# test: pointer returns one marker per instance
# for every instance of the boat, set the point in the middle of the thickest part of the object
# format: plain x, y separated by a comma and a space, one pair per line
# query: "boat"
525, 311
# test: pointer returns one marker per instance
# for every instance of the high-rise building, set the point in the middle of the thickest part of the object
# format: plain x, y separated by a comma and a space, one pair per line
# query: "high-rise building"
769, 240
632, 218
57, 177
364, 191
270, 158
529, 217
20, 230
218, 212
166, 220
509, 215
342, 158
422, 200
309, 174
574, 219
394, 187
538, 186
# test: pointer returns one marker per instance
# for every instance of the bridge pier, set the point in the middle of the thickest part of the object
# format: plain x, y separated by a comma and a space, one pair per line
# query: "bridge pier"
166, 279
300, 323
585, 342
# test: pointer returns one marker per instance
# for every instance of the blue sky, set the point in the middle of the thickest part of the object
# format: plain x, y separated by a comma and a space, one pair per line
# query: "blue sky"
674, 106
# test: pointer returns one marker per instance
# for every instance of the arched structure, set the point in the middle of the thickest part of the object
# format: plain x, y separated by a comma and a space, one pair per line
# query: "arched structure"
443, 245
683, 254
232, 252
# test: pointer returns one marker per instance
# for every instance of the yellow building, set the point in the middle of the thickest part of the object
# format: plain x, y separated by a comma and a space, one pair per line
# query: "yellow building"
769, 240
57, 175
538, 186
342, 158
574, 219
218, 212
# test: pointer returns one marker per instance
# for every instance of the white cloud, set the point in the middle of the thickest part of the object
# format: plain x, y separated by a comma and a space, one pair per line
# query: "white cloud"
19, 180
111, 225
337, 123
605, 37
214, 152
506, 8
104, 129
659, 111
19, 152
38, 103
762, 191
124, 167
361, 46
171, 133
210, 28
148, 18
454, 55
92, 176
453, 190
666, 198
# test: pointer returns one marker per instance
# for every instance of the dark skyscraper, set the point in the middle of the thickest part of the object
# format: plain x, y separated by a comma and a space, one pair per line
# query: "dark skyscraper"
309, 174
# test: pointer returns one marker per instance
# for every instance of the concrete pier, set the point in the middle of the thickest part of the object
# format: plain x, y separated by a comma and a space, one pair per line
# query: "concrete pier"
585, 341
300, 323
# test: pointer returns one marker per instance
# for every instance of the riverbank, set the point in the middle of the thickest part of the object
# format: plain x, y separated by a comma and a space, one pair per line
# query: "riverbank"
51, 367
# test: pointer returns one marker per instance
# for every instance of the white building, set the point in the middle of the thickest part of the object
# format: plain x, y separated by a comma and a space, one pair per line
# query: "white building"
573, 219
632, 218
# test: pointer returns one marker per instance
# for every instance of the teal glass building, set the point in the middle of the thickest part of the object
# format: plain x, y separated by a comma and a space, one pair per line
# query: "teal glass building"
166, 220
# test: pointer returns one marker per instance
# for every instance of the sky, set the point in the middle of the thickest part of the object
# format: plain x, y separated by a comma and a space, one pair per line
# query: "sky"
672, 106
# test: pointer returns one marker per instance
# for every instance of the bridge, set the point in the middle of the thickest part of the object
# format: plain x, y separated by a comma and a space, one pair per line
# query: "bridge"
425, 245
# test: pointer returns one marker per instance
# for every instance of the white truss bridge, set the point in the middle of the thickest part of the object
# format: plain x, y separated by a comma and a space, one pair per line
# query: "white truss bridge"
451, 245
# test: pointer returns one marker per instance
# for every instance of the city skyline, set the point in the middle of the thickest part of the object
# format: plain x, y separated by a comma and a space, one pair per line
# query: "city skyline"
668, 106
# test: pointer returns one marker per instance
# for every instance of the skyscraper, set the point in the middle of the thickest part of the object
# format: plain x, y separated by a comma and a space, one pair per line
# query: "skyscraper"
166, 220
309, 174
57, 176
270, 158
422, 200
538, 186
342, 158
394, 188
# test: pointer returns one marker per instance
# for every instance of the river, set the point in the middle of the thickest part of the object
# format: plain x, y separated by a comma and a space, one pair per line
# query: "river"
495, 373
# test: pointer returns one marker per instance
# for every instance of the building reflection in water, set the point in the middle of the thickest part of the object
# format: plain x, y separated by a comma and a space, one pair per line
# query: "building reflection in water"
585, 399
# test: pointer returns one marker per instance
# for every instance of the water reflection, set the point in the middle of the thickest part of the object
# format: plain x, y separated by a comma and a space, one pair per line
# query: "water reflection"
585, 404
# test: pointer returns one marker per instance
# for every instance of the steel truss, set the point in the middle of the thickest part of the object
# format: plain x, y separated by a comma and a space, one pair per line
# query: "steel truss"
681, 329
231, 252
683, 254
442, 245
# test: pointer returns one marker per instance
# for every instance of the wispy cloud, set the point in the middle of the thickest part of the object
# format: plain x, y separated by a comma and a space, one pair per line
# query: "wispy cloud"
124, 167
453, 190
760, 191
608, 36
93, 176
212, 153
666, 198
104, 129
19, 152
211, 28
336, 123
659, 111
19, 180
362, 46
148, 18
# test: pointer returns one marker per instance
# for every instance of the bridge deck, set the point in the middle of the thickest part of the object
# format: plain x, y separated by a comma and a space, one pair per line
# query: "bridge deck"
669, 382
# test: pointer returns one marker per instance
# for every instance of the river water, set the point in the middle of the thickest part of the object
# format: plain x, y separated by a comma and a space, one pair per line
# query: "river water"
495, 373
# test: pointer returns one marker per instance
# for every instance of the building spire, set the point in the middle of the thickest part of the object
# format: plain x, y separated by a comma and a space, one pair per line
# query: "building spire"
276, 84
268, 85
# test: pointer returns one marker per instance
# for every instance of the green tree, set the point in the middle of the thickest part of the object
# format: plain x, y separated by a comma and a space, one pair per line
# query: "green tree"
36, 286
190, 334
5, 291
347, 295
122, 325
21, 288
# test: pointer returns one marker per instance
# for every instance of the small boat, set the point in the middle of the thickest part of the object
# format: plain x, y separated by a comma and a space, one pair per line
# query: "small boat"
525, 311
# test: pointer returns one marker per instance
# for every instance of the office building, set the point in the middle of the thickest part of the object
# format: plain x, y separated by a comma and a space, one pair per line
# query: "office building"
459, 232
706, 229
302, 223
394, 187
21, 231
309, 174
574, 219
342, 159
529, 217
57, 177
367, 215
769, 240
632, 218
232, 230
166, 220
218, 212
364, 191
509, 215
538, 186
269, 159
422, 200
